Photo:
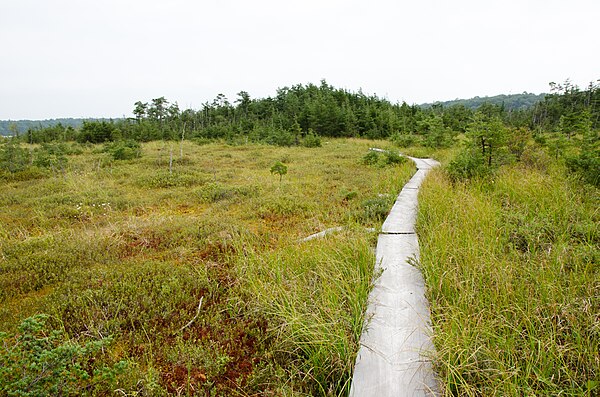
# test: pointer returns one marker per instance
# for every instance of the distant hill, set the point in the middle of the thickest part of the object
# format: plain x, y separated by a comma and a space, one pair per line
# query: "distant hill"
24, 125
511, 102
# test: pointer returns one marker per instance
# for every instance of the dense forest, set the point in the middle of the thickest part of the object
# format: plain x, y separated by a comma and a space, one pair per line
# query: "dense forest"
566, 121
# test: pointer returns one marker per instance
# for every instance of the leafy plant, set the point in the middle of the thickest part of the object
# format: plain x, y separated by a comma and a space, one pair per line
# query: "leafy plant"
280, 169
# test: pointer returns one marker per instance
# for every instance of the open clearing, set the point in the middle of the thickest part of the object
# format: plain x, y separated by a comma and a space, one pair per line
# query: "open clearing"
194, 280
128, 249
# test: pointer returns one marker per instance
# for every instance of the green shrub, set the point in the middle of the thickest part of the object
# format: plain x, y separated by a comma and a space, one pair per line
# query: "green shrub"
311, 140
348, 195
371, 158
27, 174
39, 361
280, 138
124, 150
13, 158
388, 158
214, 192
587, 161
467, 165
404, 140
97, 132
280, 169
51, 155
202, 141
375, 209
393, 158
165, 179
535, 157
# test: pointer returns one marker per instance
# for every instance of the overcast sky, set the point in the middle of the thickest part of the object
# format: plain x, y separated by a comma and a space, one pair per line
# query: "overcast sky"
83, 58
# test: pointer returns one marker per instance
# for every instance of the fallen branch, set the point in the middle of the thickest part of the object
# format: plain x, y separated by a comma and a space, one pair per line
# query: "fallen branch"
195, 317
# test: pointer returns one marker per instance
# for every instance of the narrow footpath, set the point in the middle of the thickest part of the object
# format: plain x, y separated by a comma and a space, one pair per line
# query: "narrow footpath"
396, 339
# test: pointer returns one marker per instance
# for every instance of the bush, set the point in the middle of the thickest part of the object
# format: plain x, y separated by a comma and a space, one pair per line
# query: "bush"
371, 158
375, 209
388, 158
214, 192
165, 179
27, 174
280, 138
393, 158
311, 140
535, 157
13, 158
467, 165
39, 362
124, 150
51, 155
403, 140
280, 169
347, 195
587, 162
97, 132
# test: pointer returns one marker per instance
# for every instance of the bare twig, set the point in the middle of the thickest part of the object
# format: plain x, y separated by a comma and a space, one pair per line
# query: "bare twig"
195, 317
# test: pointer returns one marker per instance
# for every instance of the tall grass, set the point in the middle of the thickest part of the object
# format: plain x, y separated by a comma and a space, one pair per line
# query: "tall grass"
511, 266
314, 294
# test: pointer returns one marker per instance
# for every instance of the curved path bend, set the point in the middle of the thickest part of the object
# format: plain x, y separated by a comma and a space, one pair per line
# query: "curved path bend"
393, 356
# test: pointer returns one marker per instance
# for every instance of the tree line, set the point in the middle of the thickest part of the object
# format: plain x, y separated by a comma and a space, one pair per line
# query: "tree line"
325, 111
568, 117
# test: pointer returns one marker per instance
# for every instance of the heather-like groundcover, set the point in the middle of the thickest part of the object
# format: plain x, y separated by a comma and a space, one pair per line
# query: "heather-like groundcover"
181, 272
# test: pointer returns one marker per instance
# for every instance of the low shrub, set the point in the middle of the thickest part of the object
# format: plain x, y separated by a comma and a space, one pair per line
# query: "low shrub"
51, 155
404, 140
371, 158
383, 159
124, 150
13, 158
214, 192
165, 179
280, 169
375, 209
467, 164
40, 361
393, 158
311, 140
26, 174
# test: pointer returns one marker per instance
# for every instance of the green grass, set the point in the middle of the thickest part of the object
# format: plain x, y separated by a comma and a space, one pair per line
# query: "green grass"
127, 249
511, 266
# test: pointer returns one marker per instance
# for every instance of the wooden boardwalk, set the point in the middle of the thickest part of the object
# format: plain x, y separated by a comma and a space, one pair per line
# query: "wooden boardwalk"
394, 346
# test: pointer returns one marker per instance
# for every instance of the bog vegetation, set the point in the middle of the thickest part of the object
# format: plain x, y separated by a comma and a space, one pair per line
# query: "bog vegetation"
162, 254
